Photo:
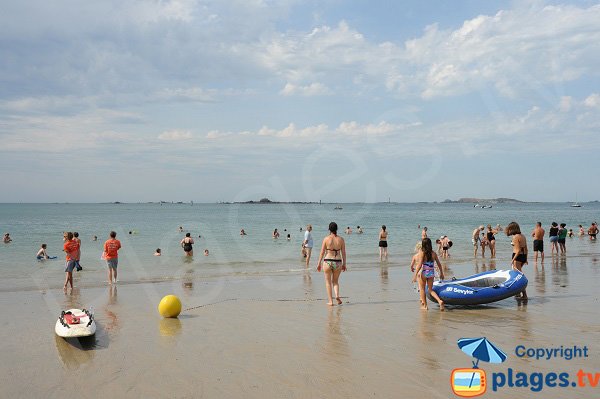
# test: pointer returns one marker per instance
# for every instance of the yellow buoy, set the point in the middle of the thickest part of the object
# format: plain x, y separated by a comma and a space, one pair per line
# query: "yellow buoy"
169, 306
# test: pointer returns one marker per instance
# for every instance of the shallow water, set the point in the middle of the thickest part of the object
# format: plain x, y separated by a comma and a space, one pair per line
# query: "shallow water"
255, 323
155, 226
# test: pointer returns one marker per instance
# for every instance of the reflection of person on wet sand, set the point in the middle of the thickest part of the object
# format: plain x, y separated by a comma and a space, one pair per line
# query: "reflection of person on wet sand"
333, 255
335, 343
113, 321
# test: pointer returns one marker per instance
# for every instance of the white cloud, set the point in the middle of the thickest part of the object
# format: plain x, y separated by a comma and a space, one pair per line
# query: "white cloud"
592, 101
356, 129
512, 51
196, 94
175, 135
537, 128
314, 89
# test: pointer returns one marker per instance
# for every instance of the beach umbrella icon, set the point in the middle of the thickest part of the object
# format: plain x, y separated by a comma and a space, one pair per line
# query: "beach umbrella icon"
481, 349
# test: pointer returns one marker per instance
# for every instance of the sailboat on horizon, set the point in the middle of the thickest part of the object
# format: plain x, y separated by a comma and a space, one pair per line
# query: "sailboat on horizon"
575, 204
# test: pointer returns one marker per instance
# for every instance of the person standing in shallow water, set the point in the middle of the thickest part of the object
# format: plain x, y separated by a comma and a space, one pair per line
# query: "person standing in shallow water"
332, 260
553, 233
111, 255
78, 256
562, 238
491, 240
519, 256
538, 240
308, 243
187, 244
425, 272
383, 252
71, 248
476, 241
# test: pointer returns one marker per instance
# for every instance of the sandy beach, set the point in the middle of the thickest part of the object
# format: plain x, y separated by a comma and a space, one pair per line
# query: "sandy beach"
274, 336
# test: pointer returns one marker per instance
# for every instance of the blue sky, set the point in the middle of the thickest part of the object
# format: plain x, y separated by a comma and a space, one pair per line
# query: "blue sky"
299, 100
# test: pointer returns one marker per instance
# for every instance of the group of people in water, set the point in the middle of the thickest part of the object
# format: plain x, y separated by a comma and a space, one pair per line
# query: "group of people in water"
557, 234
485, 238
72, 250
332, 256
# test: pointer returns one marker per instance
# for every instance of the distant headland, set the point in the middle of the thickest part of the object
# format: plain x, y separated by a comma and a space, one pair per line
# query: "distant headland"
268, 201
483, 200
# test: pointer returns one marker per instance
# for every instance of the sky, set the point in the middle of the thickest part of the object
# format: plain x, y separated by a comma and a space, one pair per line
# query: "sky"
339, 101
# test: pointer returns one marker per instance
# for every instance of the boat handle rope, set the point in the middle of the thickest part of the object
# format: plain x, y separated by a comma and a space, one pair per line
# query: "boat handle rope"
90, 316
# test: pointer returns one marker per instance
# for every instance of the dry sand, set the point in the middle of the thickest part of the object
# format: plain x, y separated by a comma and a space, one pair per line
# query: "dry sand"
274, 337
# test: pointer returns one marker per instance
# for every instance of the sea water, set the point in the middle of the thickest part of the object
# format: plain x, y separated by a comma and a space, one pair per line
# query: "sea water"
142, 228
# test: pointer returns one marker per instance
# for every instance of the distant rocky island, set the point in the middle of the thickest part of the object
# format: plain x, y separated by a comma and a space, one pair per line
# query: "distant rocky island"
268, 201
483, 200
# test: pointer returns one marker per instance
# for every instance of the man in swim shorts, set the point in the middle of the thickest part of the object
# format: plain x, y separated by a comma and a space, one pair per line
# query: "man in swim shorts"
111, 254
475, 241
593, 231
538, 240
445, 246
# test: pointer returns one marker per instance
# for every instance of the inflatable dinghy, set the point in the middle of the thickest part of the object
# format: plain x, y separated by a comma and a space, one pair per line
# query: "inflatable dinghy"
486, 287
75, 323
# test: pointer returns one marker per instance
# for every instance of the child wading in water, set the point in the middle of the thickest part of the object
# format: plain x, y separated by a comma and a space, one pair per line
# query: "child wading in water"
426, 267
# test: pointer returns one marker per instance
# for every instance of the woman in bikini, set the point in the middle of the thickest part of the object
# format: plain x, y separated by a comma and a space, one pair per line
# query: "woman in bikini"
519, 256
333, 261
383, 252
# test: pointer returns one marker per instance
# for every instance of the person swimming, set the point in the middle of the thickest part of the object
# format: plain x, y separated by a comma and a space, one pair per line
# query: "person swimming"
157, 252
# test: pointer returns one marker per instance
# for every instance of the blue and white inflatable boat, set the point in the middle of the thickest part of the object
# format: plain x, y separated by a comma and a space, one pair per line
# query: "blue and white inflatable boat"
481, 288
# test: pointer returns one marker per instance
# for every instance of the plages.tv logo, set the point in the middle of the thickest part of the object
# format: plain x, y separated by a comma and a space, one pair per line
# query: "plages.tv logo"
469, 382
